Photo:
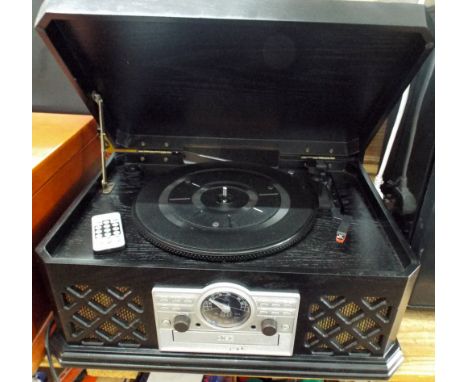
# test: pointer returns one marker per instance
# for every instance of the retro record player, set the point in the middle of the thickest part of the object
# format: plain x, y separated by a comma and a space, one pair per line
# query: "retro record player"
255, 243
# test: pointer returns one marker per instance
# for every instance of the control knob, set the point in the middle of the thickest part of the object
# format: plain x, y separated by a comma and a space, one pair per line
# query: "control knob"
181, 323
269, 327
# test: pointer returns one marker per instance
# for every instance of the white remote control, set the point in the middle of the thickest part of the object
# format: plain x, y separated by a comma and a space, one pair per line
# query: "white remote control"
107, 232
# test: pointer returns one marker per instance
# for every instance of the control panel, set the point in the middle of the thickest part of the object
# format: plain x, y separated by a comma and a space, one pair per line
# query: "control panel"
225, 318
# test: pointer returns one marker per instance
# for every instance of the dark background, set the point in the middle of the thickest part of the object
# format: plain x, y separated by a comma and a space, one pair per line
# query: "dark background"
51, 90
419, 228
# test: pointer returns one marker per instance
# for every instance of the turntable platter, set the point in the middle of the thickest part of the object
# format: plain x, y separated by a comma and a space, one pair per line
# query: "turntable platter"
225, 212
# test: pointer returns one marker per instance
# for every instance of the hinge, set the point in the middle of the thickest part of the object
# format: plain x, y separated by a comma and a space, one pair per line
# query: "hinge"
106, 186
318, 158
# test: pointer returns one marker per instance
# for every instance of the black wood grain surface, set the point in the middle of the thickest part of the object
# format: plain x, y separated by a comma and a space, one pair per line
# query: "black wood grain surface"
323, 76
366, 251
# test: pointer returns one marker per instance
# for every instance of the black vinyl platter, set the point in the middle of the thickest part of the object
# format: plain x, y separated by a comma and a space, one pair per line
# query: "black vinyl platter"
225, 211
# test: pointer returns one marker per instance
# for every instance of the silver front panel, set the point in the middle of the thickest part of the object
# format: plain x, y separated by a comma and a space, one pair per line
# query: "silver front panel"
203, 336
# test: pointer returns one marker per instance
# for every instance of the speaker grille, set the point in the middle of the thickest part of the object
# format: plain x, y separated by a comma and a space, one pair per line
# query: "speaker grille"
339, 325
106, 316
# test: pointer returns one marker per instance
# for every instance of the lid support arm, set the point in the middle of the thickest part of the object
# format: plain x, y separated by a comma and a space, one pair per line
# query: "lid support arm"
106, 186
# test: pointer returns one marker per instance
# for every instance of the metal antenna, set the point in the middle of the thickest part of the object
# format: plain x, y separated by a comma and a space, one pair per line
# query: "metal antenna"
106, 186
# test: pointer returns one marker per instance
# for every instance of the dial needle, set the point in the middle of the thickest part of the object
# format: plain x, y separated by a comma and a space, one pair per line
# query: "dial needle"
224, 308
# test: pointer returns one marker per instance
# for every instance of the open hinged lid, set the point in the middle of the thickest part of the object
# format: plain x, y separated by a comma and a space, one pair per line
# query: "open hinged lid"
300, 76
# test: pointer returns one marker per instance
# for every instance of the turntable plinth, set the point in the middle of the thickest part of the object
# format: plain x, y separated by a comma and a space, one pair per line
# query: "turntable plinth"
59, 143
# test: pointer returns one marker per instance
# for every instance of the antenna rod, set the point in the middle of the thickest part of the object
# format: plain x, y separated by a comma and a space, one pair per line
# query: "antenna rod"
106, 186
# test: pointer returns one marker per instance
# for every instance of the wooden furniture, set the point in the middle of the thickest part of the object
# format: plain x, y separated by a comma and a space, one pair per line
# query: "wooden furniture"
65, 157
373, 151
417, 339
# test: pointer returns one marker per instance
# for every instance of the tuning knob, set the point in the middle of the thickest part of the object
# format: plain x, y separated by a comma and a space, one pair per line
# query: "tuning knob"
269, 327
182, 323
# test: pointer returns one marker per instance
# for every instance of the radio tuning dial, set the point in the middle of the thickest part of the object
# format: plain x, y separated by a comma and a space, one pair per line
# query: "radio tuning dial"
181, 323
269, 327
